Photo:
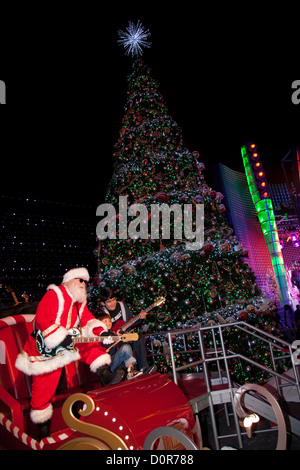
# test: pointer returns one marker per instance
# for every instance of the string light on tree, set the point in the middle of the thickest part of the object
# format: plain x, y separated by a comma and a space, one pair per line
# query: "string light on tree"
152, 165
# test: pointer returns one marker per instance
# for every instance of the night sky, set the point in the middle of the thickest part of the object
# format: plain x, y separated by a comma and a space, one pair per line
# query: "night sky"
225, 74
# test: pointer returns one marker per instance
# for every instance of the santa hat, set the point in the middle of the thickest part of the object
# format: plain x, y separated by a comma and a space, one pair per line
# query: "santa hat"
76, 273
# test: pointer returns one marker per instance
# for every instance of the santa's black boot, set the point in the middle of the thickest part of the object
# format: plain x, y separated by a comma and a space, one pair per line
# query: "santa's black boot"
107, 377
119, 375
44, 430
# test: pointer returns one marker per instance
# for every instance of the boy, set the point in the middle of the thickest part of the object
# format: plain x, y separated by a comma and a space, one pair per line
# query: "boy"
120, 314
120, 352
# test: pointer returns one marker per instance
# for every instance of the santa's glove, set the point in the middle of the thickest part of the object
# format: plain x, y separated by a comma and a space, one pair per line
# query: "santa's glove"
108, 340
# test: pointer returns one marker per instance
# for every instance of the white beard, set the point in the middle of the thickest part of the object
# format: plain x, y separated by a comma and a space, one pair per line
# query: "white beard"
79, 295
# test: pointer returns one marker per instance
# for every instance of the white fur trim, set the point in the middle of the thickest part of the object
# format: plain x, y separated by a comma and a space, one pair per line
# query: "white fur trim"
91, 324
38, 365
54, 339
40, 416
61, 301
100, 361
74, 273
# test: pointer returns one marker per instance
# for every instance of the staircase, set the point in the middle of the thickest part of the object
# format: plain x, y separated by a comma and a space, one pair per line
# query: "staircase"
206, 389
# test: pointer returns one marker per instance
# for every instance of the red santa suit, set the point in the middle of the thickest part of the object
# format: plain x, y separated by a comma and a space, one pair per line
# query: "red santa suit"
56, 314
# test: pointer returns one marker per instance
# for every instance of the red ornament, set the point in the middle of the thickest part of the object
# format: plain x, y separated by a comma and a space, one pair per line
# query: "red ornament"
96, 281
243, 315
162, 197
208, 248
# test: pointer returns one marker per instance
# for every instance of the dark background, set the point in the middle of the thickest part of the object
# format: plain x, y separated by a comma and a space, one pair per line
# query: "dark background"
225, 73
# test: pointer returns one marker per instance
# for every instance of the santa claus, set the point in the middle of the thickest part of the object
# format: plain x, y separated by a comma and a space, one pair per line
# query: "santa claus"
61, 309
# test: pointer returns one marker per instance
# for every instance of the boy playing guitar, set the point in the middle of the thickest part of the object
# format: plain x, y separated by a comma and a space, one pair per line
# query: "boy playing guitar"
122, 320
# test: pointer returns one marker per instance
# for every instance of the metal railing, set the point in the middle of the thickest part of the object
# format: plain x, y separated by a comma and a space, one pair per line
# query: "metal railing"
221, 355
220, 352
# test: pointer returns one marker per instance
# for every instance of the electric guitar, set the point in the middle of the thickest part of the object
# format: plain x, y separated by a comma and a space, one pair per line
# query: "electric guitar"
157, 302
76, 339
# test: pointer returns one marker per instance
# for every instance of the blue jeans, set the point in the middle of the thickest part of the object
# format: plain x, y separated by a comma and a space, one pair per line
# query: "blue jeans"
123, 354
139, 348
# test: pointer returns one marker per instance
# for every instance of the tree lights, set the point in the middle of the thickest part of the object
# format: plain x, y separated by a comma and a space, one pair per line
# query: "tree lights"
153, 166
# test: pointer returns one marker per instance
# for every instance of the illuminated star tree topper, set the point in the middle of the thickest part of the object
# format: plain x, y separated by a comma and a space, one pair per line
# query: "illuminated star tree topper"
134, 39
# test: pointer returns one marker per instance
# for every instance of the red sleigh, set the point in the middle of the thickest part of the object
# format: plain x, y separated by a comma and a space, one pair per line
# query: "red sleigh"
110, 418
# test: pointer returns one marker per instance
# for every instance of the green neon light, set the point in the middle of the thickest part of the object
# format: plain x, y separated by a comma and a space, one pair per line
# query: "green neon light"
260, 206
265, 211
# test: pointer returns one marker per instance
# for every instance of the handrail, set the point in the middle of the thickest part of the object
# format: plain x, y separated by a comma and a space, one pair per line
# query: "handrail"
224, 325
221, 354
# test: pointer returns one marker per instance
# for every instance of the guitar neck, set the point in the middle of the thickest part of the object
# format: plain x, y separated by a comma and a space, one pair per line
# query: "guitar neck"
93, 339
134, 319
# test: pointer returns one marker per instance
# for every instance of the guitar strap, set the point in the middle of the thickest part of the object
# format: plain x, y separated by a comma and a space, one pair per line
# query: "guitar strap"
123, 310
116, 343
70, 315
79, 323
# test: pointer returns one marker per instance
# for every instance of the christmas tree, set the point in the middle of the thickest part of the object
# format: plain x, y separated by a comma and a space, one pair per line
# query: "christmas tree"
154, 167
